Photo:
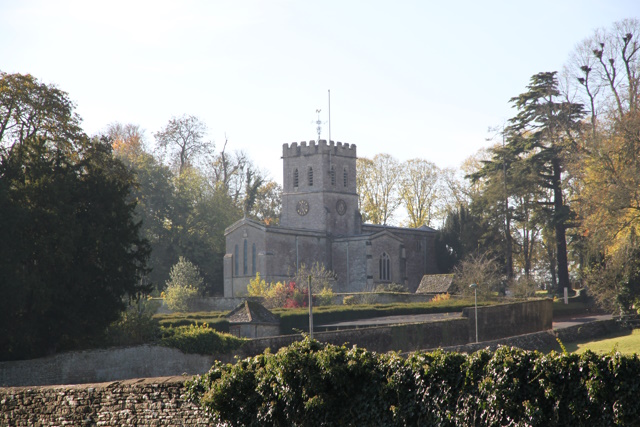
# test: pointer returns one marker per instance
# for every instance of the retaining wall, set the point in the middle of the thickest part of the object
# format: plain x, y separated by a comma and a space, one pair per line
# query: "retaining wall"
104, 365
508, 320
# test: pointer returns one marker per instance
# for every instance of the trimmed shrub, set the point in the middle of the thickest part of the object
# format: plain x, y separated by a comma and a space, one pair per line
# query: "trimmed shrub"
310, 384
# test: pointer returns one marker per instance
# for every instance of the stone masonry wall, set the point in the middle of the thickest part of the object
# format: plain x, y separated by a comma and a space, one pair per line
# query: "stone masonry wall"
141, 402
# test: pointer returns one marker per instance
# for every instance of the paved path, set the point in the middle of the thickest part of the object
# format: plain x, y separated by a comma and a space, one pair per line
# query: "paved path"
573, 321
392, 320
419, 318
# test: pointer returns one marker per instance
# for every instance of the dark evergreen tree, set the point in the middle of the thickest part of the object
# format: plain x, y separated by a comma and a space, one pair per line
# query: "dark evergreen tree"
71, 252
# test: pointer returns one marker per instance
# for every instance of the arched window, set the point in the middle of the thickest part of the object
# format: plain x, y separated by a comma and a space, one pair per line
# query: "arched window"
310, 173
253, 259
245, 264
333, 175
344, 177
295, 178
236, 260
385, 267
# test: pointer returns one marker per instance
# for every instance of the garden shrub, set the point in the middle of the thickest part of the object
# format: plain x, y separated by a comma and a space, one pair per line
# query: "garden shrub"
310, 384
177, 297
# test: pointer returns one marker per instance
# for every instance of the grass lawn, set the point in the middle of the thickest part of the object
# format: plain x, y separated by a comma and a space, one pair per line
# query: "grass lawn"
625, 344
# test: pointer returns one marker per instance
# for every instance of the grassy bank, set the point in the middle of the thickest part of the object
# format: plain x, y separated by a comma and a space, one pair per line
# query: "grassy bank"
625, 344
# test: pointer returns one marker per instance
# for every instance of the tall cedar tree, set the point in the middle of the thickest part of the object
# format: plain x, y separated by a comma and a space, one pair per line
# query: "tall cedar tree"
541, 136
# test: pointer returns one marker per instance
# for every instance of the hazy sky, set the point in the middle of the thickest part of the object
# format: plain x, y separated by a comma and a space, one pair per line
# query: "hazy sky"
410, 78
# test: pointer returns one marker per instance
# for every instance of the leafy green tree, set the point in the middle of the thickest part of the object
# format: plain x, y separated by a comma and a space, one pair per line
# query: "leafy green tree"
467, 231
72, 253
268, 203
29, 108
615, 279
185, 273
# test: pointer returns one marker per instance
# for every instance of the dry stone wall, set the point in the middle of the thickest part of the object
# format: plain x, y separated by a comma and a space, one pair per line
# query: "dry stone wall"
143, 402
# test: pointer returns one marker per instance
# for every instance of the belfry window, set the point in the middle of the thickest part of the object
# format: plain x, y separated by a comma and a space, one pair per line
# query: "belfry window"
295, 178
344, 177
253, 259
245, 264
333, 175
236, 260
385, 267
310, 173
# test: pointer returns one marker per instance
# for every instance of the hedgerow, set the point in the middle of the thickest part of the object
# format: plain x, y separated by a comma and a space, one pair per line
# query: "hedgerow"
312, 384
215, 319
199, 339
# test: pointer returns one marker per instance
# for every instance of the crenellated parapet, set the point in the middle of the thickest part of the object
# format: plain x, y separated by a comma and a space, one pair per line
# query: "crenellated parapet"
312, 147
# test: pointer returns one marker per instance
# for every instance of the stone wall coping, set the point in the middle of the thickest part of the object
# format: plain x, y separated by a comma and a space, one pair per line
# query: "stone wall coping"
175, 379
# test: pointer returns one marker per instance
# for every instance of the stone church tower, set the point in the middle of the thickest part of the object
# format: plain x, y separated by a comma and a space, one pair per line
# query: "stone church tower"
320, 222
319, 188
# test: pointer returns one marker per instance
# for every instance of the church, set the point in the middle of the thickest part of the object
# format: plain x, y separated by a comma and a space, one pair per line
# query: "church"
320, 222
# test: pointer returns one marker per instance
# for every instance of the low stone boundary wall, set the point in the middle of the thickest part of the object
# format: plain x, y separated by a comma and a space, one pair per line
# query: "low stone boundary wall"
104, 365
142, 402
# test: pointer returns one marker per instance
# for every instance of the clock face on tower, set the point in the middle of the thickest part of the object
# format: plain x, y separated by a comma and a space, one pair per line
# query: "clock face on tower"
302, 208
341, 207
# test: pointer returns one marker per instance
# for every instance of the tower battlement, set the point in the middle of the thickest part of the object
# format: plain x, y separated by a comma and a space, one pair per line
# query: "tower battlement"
312, 147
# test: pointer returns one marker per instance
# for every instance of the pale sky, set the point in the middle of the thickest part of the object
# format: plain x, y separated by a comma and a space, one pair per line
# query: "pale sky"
410, 78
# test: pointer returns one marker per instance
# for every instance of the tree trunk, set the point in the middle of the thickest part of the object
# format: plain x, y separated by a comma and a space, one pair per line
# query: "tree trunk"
559, 220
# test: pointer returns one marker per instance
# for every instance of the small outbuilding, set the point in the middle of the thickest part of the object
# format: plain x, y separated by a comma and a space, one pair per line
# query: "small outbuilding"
434, 284
252, 320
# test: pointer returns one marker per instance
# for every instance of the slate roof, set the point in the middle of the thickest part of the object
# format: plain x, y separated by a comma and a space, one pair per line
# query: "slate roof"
252, 312
435, 284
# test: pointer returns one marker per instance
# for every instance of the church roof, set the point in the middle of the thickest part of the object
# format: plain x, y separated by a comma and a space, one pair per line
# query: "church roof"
435, 284
252, 312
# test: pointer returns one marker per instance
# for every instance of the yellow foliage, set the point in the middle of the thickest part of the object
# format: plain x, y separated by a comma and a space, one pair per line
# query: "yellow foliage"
258, 287
441, 297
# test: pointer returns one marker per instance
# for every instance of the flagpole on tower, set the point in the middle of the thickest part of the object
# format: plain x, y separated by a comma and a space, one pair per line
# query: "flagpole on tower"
329, 120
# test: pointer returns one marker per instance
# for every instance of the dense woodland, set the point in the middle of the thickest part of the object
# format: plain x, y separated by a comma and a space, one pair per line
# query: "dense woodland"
554, 203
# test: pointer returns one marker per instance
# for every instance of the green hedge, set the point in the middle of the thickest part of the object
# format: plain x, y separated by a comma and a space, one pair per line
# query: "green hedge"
215, 319
310, 384
199, 339
292, 320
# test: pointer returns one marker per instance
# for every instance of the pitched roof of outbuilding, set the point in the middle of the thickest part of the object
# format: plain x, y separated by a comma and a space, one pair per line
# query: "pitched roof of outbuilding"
435, 284
252, 312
